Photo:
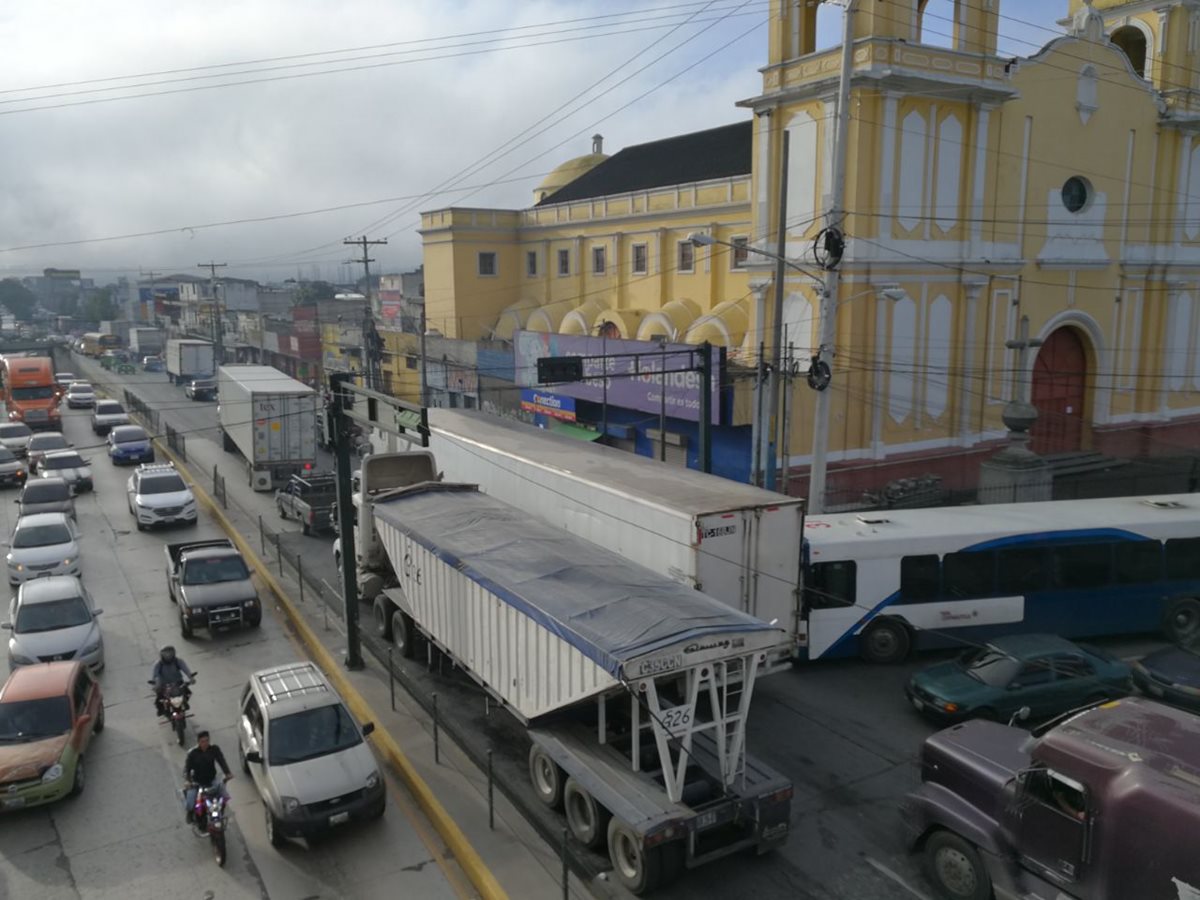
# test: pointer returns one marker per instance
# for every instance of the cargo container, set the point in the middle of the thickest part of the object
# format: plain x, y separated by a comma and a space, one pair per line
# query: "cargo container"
188, 359
636, 709
146, 341
270, 419
735, 542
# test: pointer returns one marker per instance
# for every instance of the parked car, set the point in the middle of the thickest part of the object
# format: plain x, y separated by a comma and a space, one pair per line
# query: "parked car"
42, 443
158, 496
15, 436
70, 467
13, 471
52, 619
201, 389
129, 444
41, 495
106, 414
80, 395
65, 379
1043, 672
153, 364
305, 753
1171, 675
48, 714
43, 544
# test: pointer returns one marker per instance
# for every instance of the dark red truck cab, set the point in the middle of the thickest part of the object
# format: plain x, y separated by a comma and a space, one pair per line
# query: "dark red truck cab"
1102, 803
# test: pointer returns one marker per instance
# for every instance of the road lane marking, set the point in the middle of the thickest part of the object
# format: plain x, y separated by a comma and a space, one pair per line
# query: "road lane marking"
894, 876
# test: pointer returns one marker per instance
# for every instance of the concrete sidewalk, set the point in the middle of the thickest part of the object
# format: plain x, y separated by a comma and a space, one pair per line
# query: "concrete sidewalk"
517, 860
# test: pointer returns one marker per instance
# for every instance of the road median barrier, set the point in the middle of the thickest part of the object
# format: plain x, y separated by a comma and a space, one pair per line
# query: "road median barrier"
460, 847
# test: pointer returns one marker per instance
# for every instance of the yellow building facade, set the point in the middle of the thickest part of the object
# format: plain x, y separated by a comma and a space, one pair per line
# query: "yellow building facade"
981, 191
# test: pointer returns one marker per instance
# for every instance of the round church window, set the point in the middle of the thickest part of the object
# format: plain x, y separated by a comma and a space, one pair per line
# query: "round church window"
1076, 193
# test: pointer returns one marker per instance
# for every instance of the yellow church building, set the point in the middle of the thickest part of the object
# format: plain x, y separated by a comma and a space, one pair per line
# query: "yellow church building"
1062, 188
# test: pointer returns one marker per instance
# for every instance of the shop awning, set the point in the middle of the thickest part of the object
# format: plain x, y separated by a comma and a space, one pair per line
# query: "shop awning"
578, 432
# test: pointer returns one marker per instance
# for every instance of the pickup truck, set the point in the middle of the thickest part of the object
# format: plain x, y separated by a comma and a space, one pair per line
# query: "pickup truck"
210, 584
309, 499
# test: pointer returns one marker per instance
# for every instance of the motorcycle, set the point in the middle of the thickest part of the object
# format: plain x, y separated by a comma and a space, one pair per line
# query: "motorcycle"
173, 702
210, 818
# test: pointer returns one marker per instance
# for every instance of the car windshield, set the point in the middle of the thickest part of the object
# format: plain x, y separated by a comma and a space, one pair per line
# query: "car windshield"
80, 387
45, 492
162, 484
43, 392
52, 615
128, 435
989, 666
41, 535
312, 733
30, 720
214, 571
109, 408
66, 461
11, 432
48, 442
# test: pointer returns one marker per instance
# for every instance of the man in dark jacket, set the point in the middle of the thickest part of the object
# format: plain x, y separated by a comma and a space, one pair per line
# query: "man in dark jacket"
200, 770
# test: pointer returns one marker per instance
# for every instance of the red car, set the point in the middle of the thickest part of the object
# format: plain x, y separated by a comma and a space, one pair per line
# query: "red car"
48, 714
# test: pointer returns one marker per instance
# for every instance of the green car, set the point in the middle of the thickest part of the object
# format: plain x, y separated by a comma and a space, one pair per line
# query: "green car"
1044, 672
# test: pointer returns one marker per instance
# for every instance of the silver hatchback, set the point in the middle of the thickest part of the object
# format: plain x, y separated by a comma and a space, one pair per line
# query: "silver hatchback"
52, 619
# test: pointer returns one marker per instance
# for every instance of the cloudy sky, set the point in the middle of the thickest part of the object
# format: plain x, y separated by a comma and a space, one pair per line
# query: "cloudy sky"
133, 133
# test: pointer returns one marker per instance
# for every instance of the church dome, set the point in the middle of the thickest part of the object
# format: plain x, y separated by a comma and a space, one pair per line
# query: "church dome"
564, 174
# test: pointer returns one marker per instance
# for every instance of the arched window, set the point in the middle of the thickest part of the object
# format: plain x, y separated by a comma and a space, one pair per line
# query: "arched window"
1132, 43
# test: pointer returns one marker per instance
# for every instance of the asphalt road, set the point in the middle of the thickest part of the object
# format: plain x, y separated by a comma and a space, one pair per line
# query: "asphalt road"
842, 731
125, 837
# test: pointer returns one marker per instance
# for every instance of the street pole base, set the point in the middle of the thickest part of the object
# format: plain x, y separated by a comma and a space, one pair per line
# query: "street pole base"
353, 662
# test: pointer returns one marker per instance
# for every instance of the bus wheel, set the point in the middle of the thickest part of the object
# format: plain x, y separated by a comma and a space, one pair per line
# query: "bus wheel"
1182, 622
885, 641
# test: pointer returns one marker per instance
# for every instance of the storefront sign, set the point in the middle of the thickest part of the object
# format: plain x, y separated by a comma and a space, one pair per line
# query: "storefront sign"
552, 405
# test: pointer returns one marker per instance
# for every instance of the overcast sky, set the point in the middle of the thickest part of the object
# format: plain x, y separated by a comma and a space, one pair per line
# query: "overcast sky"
395, 99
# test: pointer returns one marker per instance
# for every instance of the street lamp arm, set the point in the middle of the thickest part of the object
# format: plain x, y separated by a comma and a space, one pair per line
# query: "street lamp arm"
700, 239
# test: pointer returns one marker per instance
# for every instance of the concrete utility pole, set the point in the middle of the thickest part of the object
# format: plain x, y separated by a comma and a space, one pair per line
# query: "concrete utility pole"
152, 275
770, 433
218, 320
370, 349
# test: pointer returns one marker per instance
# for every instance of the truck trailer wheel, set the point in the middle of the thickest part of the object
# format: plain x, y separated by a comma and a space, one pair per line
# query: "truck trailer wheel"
403, 633
382, 613
547, 778
586, 818
635, 866
1182, 622
885, 640
954, 868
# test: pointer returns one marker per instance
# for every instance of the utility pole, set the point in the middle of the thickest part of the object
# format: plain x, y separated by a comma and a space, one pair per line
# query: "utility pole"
370, 350
342, 425
768, 432
218, 321
424, 371
829, 291
152, 275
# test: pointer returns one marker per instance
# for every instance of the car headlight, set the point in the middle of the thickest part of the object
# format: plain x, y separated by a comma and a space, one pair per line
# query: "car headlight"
17, 566
53, 773
290, 804
373, 781
945, 705
67, 561
18, 660
91, 648
253, 601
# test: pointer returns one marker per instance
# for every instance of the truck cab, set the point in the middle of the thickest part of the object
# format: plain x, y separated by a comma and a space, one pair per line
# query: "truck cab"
1102, 803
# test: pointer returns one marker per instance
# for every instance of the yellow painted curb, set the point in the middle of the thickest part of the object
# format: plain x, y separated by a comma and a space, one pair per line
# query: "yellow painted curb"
464, 853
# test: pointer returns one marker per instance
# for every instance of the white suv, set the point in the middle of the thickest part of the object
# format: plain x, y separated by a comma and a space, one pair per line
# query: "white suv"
158, 496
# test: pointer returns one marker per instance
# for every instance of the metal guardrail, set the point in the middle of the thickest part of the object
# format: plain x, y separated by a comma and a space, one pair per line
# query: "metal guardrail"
219, 487
141, 409
177, 442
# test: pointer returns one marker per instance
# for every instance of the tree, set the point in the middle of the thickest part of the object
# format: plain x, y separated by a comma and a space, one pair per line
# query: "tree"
309, 293
99, 306
18, 299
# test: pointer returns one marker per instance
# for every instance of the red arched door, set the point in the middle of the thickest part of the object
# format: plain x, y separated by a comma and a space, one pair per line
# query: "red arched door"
1059, 388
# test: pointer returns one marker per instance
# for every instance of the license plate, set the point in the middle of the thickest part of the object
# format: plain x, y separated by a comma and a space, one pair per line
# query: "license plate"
339, 818
918, 705
13, 802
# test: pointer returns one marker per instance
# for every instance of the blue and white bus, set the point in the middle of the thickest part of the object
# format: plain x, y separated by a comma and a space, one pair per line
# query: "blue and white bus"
881, 583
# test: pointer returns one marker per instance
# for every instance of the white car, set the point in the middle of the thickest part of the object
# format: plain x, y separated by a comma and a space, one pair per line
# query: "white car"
158, 496
65, 379
42, 544
42, 443
15, 436
80, 395
70, 467
108, 414
52, 619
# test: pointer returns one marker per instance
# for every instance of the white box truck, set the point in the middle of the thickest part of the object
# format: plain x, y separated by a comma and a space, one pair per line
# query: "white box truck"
735, 542
188, 359
145, 341
633, 689
271, 420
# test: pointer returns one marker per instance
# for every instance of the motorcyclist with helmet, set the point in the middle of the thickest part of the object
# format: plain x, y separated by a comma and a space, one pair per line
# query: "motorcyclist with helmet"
169, 670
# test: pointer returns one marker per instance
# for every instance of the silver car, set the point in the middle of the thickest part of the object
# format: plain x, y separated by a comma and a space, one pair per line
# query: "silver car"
43, 544
15, 436
65, 379
52, 619
108, 414
12, 470
70, 467
80, 395
41, 495
42, 443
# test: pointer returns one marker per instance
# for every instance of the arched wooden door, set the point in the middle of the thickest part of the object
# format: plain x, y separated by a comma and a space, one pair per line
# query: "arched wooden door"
1059, 390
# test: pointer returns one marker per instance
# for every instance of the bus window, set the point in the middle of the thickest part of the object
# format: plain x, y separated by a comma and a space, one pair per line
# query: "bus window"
1082, 565
832, 585
968, 575
1023, 570
1138, 561
1183, 558
920, 579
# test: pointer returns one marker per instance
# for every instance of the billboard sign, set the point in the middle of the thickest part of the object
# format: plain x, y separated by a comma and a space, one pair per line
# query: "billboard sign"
634, 367
552, 405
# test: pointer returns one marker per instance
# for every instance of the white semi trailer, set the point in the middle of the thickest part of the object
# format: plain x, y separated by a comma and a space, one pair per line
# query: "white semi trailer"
738, 543
271, 419
634, 689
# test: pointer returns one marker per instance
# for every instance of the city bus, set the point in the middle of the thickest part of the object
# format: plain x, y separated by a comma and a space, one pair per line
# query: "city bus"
95, 343
879, 584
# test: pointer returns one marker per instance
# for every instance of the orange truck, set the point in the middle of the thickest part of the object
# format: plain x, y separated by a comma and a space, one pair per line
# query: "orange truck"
30, 393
